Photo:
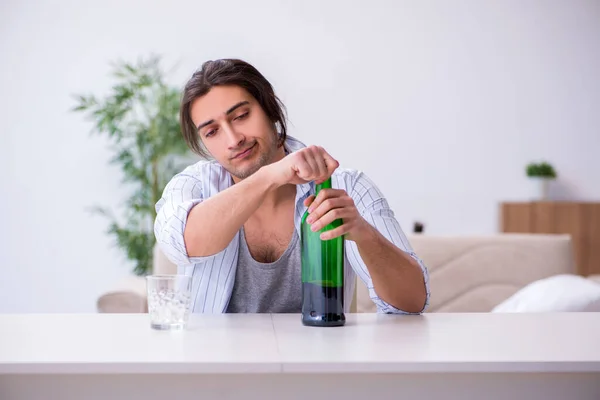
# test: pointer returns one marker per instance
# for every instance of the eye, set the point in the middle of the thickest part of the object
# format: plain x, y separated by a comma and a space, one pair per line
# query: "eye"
210, 133
241, 116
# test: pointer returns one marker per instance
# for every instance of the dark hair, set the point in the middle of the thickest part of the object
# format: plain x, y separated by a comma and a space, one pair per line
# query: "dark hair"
229, 72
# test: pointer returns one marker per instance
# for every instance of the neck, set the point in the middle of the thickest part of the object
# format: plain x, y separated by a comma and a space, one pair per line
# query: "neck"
279, 197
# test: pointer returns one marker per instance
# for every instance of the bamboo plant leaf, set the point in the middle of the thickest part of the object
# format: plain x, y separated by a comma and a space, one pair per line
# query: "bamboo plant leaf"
140, 118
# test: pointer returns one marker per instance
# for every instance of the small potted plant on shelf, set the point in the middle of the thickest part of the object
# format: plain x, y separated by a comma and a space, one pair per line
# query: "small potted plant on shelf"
543, 173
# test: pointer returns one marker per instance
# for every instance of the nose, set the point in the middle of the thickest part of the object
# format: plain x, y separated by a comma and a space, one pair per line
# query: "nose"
234, 139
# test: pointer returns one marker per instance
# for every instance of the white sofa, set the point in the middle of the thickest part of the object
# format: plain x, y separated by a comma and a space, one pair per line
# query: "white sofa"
467, 274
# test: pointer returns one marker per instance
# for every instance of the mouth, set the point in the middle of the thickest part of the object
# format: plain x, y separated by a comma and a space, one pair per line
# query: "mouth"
244, 153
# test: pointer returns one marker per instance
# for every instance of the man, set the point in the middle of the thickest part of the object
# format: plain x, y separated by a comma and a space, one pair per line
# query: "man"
233, 222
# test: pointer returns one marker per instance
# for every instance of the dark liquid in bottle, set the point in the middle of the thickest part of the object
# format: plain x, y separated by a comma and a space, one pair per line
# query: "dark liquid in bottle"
322, 305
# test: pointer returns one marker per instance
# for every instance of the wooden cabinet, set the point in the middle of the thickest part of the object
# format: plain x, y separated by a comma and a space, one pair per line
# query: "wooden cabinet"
580, 220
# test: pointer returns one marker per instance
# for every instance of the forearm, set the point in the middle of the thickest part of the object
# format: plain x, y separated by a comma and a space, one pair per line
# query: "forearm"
397, 277
213, 223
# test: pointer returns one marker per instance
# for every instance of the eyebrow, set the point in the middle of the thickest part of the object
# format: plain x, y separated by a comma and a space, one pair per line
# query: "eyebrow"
229, 111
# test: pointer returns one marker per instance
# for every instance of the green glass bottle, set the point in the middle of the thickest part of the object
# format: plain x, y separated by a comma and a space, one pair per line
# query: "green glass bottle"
322, 274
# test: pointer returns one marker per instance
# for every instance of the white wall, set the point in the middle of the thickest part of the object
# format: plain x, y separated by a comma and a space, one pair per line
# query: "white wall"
441, 103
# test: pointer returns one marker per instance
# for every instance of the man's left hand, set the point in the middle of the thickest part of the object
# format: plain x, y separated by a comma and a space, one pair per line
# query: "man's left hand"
332, 204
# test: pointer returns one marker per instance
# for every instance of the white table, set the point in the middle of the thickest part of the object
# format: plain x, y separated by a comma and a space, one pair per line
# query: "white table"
449, 356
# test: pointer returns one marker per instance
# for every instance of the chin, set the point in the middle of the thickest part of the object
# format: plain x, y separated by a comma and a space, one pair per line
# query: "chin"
256, 162
243, 173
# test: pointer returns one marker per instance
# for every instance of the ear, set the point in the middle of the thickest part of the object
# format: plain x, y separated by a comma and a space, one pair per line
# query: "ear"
278, 135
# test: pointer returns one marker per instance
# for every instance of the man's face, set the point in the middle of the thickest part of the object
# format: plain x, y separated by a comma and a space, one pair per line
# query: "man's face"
235, 130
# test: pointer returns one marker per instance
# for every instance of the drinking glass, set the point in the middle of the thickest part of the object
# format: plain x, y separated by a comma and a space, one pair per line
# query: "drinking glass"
169, 301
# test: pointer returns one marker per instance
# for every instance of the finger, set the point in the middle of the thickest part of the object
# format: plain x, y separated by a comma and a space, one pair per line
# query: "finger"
331, 162
323, 195
337, 214
326, 206
311, 159
332, 234
303, 168
315, 157
323, 169
309, 200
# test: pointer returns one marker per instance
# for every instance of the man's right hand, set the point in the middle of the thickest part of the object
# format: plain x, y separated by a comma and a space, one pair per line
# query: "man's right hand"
312, 163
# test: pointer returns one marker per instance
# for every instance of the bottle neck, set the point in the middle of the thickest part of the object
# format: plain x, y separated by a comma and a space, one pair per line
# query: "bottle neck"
323, 185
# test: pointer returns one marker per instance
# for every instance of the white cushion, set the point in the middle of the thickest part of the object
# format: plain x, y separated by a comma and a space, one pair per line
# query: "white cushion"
558, 293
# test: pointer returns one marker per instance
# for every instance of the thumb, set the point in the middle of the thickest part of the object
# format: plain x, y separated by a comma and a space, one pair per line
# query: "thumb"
309, 200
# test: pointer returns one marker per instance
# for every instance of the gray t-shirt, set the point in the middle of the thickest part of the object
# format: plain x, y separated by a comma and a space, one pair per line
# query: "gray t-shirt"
267, 287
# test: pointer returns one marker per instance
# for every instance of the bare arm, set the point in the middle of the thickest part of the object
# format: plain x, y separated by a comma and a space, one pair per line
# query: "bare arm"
213, 223
397, 277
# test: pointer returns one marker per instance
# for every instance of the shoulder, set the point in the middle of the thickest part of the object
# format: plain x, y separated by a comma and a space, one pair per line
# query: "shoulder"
196, 181
204, 171
205, 176
201, 170
348, 178
356, 183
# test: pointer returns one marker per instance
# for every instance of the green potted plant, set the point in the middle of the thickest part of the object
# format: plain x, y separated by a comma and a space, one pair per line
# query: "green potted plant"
543, 173
140, 117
